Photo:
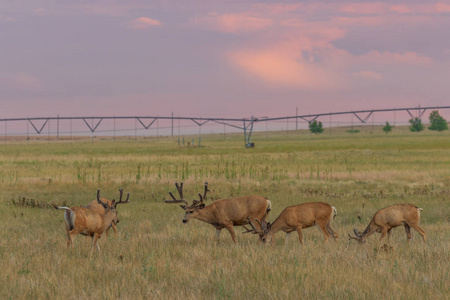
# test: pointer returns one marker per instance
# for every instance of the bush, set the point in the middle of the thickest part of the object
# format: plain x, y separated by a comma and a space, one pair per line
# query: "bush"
387, 128
437, 122
316, 127
353, 131
416, 125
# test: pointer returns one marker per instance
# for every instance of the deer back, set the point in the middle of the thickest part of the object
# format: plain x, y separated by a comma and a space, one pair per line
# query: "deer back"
306, 214
395, 215
95, 206
235, 210
84, 219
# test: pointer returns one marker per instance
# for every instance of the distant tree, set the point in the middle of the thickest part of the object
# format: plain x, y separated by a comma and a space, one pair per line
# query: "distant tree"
387, 128
315, 127
416, 125
437, 122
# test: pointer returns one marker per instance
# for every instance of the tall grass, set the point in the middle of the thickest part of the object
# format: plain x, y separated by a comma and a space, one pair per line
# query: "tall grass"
154, 255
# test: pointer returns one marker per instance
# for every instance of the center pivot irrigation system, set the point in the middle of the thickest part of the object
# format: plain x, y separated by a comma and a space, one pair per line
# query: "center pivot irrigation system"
247, 123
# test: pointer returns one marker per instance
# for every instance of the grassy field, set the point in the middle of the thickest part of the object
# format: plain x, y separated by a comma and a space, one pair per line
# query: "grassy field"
155, 256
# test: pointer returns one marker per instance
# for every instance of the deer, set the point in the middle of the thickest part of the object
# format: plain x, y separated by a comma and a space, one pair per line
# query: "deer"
390, 217
297, 218
223, 213
81, 220
95, 206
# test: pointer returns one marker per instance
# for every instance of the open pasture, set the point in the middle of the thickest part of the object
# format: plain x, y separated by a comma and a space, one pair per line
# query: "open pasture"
156, 256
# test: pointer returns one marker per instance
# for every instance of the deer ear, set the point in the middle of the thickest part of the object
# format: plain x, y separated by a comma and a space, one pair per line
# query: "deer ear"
183, 207
113, 204
201, 206
356, 232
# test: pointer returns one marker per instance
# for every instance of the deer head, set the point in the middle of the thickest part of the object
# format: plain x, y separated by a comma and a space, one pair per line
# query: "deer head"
109, 209
263, 232
189, 209
358, 237
116, 219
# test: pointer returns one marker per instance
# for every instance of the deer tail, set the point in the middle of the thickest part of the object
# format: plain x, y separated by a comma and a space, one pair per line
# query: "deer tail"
61, 207
269, 206
334, 212
69, 216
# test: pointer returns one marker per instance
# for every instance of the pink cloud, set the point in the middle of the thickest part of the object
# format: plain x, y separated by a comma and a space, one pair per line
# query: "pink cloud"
233, 23
407, 58
401, 9
278, 8
317, 31
364, 8
442, 7
20, 82
4, 18
282, 67
143, 23
359, 21
369, 75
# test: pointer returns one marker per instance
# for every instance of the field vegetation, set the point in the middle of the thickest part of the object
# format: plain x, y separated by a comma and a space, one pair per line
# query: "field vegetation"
156, 256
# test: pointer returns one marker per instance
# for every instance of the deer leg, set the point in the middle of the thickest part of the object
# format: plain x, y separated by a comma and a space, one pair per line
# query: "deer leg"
71, 234
216, 237
286, 240
232, 233
383, 234
333, 234
324, 231
114, 229
389, 236
421, 231
95, 238
408, 232
300, 234
69, 240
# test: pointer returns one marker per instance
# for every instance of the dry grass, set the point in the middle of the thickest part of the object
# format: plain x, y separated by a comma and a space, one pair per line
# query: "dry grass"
156, 256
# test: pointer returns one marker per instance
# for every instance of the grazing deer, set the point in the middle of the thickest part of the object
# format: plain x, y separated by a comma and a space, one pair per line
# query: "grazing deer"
96, 206
223, 213
390, 217
88, 222
297, 218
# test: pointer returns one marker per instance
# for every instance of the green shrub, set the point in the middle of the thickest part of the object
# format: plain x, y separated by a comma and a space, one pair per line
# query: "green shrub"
437, 122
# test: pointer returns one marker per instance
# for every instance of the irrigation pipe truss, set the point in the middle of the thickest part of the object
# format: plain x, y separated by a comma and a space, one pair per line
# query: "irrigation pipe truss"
247, 123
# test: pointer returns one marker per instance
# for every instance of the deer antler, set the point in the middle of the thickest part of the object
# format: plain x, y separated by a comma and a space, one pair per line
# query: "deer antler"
253, 230
105, 205
180, 192
195, 202
352, 237
120, 198
357, 236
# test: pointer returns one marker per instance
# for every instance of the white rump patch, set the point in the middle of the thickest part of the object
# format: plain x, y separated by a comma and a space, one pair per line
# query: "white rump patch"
269, 205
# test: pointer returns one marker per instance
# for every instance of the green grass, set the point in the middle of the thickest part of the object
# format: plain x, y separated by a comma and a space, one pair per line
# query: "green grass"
155, 256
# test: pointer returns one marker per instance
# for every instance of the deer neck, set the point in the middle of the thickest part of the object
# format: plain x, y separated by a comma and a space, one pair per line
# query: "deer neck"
107, 218
206, 216
371, 228
276, 226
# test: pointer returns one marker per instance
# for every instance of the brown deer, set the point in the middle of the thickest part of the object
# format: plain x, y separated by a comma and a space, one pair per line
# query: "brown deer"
297, 217
81, 220
390, 217
96, 206
223, 213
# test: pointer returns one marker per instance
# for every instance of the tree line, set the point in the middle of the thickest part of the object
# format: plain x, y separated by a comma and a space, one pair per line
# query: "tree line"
437, 123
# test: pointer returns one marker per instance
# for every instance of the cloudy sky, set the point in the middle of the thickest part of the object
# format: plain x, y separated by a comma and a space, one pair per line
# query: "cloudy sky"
211, 58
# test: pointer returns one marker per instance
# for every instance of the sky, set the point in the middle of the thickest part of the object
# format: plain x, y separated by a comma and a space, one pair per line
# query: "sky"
211, 58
